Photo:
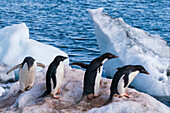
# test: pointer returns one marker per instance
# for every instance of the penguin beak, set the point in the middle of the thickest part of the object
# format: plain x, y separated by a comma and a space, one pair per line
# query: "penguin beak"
64, 58
146, 72
113, 56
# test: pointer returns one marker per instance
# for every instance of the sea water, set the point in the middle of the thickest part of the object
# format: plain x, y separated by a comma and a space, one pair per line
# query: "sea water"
66, 24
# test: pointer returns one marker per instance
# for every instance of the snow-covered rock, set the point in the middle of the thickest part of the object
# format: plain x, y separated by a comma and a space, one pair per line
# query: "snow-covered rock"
71, 92
137, 103
134, 46
15, 45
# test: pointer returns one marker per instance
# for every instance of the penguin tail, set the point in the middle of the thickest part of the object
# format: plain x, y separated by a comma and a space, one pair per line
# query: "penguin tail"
44, 94
80, 99
107, 102
81, 64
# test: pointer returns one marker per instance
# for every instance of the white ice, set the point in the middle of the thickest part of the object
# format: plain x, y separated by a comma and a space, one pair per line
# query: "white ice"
3, 76
15, 45
133, 46
1, 91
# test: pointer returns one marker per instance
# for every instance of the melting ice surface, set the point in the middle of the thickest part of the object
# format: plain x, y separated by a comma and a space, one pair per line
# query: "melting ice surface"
134, 46
15, 45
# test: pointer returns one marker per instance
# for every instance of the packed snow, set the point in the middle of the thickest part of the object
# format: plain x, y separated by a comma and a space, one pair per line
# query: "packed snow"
134, 46
72, 88
15, 45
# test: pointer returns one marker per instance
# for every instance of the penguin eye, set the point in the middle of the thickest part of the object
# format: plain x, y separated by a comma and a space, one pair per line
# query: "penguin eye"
143, 70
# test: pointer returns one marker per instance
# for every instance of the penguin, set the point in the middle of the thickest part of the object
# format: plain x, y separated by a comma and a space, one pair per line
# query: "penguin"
55, 74
27, 72
93, 75
122, 79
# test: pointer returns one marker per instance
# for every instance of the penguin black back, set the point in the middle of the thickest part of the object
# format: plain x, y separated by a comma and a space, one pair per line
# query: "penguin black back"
91, 72
51, 74
29, 61
126, 71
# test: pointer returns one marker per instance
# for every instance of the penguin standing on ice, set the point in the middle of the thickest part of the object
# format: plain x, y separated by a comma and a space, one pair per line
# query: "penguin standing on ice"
93, 74
55, 73
27, 72
122, 79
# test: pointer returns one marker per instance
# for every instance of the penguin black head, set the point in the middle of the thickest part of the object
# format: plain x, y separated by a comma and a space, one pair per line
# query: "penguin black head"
29, 61
109, 56
60, 58
141, 69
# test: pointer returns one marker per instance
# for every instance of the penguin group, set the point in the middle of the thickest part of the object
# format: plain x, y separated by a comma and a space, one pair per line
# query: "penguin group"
55, 73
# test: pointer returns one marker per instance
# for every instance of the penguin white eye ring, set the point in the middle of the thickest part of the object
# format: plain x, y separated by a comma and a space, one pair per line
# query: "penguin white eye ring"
55, 72
27, 72
93, 75
122, 79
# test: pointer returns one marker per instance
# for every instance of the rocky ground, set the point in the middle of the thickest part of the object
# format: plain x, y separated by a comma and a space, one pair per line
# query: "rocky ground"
71, 93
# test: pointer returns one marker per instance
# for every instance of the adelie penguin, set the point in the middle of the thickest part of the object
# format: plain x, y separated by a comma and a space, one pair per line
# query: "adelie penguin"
55, 74
122, 79
93, 74
27, 72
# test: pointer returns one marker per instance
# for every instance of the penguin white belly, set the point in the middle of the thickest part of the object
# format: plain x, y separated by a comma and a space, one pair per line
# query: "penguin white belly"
121, 83
120, 86
97, 80
59, 77
98, 77
131, 76
27, 77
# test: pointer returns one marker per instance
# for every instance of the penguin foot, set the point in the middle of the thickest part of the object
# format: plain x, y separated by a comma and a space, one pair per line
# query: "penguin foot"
59, 91
90, 96
28, 88
116, 95
95, 96
126, 95
56, 96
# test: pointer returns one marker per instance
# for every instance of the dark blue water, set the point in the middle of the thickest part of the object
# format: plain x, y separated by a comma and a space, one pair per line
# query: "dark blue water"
67, 24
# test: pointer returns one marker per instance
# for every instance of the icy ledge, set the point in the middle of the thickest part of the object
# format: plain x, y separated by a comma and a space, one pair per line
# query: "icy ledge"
134, 46
15, 45
71, 92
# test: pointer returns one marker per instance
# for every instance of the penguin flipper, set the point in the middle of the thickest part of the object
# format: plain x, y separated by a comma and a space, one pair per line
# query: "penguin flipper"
40, 65
15, 67
54, 79
81, 64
